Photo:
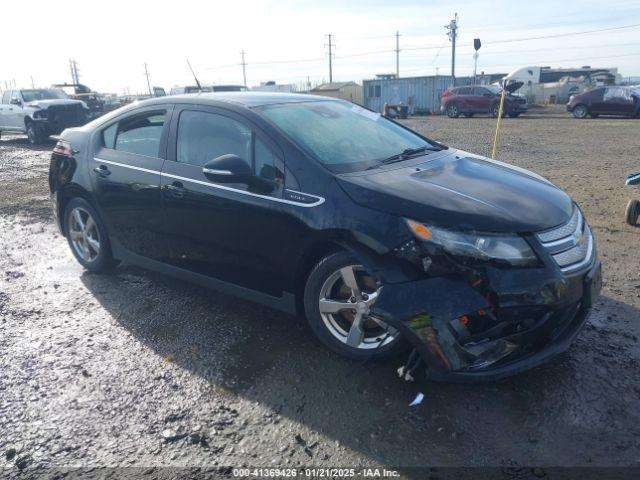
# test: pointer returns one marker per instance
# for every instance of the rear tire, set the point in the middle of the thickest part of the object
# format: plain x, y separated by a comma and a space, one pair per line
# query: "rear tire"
87, 236
580, 111
453, 111
633, 212
329, 304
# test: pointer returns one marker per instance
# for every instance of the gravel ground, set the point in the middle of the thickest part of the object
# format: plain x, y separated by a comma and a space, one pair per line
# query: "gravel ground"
136, 369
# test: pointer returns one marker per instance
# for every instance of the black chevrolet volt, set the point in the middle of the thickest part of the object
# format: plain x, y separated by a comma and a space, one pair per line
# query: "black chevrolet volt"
383, 239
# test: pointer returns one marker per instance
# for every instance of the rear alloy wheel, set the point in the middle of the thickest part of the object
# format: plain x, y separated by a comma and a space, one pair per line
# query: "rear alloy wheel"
339, 296
87, 237
633, 212
453, 111
580, 111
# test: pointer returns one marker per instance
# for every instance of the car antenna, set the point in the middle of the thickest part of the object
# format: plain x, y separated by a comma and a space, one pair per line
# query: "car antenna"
194, 76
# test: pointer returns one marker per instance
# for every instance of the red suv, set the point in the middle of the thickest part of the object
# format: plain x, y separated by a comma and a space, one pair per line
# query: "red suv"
481, 99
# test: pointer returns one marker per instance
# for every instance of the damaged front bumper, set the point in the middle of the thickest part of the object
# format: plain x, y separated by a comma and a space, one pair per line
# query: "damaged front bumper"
465, 335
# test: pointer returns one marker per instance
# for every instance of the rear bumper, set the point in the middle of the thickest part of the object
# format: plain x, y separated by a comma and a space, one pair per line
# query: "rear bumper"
540, 321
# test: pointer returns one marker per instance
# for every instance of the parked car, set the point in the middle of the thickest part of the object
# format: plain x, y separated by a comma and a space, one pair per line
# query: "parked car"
317, 206
207, 89
40, 112
610, 100
78, 91
482, 99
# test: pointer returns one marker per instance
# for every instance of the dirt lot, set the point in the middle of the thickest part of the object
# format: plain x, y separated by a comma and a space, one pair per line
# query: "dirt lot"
136, 369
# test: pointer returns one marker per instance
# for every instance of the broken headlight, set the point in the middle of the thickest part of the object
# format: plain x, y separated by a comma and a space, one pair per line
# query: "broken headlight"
511, 249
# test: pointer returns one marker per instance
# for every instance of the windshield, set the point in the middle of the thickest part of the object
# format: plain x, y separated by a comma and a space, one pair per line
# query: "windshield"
42, 94
341, 135
493, 89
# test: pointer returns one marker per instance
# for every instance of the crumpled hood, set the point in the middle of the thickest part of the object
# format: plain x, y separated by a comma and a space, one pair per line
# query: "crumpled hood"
459, 190
57, 101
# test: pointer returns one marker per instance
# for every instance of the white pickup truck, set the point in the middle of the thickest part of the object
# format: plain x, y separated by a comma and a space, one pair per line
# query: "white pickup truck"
40, 113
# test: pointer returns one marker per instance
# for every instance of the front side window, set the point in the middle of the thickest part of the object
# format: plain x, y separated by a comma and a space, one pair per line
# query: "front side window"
139, 134
342, 136
203, 136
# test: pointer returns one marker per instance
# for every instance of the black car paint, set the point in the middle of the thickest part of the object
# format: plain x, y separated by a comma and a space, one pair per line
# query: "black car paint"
262, 247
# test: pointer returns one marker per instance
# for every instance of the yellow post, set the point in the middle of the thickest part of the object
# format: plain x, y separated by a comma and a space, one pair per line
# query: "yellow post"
497, 135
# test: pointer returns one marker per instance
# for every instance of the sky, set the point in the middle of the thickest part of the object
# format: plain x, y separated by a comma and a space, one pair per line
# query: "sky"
286, 41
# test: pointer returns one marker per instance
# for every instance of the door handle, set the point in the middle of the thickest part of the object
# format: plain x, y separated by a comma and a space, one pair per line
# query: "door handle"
102, 171
176, 189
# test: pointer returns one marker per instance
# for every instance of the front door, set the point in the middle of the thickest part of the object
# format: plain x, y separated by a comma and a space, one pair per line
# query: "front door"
225, 231
16, 111
126, 167
618, 101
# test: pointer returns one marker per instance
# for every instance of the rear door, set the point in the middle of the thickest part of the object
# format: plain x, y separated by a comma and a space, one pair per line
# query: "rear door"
222, 230
482, 99
463, 98
127, 162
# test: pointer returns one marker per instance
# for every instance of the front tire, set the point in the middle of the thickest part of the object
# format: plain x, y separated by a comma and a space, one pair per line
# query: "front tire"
580, 111
453, 111
633, 212
34, 134
87, 236
337, 298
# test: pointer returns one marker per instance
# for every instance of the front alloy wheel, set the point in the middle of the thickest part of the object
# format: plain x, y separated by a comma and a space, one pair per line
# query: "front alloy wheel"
580, 111
338, 301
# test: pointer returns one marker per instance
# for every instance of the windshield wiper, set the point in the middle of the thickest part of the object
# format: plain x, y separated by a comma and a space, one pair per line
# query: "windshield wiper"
408, 153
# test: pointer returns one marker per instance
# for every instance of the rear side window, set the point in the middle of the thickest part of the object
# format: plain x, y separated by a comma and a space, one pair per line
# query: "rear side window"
464, 91
138, 134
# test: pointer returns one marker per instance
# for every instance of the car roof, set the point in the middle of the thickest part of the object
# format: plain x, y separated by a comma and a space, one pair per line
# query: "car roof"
246, 99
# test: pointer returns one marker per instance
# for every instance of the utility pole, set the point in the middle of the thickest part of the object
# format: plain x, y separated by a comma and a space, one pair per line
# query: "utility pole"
397, 54
452, 34
75, 77
244, 69
331, 45
146, 72
32, 84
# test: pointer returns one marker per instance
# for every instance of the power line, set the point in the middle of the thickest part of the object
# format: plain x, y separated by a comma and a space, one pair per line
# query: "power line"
558, 35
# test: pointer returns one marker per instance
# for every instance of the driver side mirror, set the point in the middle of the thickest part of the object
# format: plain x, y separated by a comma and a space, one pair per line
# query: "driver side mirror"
227, 168
231, 168
15, 101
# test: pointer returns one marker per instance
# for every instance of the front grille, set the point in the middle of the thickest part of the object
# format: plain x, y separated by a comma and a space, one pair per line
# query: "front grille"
570, 245
66, 115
